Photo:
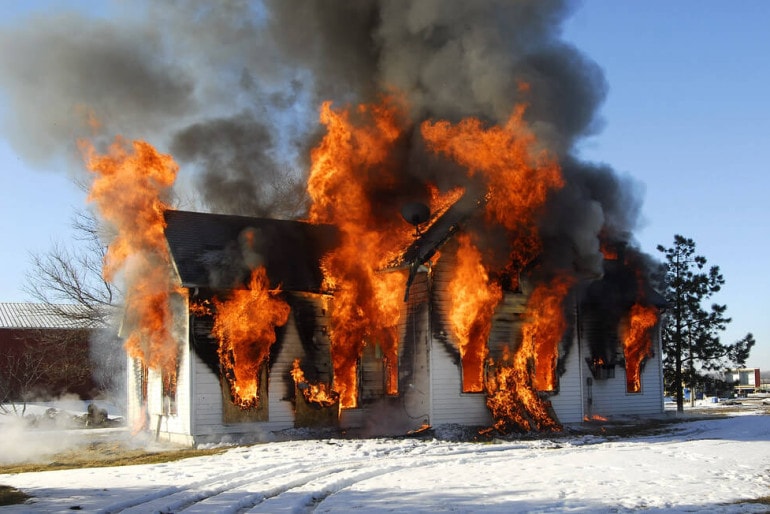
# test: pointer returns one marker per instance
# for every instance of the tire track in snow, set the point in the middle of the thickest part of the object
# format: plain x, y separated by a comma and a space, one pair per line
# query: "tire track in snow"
295, 487
176, 498
307, 493
307, 496
247, 495
232, 492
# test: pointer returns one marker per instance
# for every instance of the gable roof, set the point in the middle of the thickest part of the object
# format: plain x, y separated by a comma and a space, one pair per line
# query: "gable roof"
441, 230
41, 316
219, 251
438, 233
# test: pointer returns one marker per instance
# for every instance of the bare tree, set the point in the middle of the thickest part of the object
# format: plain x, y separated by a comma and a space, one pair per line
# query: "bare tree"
64, 275
19, 373
289, 199
43, 363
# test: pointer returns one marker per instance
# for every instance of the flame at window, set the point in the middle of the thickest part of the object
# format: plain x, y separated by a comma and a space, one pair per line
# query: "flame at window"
637, 343
245, 327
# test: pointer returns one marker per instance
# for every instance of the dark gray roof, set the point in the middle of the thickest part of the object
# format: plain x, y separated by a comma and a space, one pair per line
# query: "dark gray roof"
41, 315
219, 251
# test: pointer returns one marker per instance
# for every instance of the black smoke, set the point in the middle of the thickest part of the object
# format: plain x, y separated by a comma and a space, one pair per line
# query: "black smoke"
232, 90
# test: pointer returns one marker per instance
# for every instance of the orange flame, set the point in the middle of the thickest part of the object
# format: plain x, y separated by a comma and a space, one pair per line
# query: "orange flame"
512, 388
519, 177
609, 252
130, 187
441, 201
512, 399
471, 306
637, 343
313, 393
543, 330
245, 326
200, 308
366, 305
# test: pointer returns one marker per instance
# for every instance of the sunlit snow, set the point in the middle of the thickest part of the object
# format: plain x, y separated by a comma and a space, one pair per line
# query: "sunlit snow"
712, 465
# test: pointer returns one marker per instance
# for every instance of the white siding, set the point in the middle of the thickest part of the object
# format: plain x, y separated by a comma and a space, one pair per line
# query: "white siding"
448, 403
568, 403
157, 417
207, 404
207, 398
134, 410
199, 396
174, 427
207, 401
154, 399
165, 425
208, 412
415, 386
611, 399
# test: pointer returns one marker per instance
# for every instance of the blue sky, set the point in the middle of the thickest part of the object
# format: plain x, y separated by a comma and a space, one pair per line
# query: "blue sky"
687, 115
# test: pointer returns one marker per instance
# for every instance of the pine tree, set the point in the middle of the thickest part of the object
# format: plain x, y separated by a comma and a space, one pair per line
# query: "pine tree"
691, 332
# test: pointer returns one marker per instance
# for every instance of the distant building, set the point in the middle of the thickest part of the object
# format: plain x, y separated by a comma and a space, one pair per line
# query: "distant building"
765, 383
746, 380
44, 352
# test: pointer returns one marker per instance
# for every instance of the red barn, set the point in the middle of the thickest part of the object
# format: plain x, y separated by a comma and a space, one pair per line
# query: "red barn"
44, 352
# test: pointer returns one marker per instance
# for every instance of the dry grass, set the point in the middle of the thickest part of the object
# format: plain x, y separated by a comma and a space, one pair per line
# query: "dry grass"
93, 455
106, 454
764, 500
11, 496
632, 428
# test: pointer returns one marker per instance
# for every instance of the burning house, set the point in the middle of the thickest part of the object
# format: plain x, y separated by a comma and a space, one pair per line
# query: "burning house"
254, 323
456, 262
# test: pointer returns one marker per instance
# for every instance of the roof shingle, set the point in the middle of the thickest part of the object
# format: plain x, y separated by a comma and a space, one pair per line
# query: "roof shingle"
41, 315
219, 251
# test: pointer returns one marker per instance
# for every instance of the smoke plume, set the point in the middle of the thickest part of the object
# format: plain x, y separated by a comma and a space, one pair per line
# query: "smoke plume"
233, 90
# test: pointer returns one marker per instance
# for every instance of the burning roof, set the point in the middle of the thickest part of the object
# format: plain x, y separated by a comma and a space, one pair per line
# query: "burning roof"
219, 251
426, 244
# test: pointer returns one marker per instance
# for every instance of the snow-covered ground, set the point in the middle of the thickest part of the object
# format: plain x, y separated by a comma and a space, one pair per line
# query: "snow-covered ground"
696, 466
